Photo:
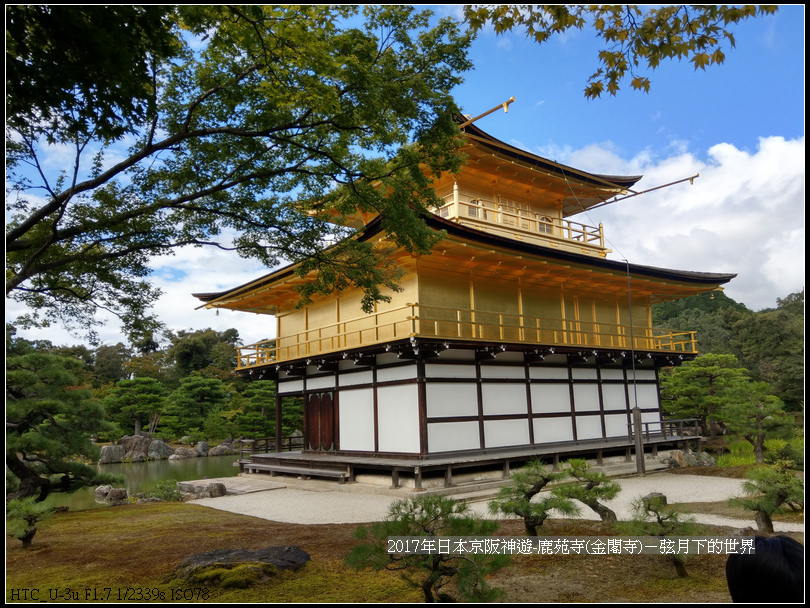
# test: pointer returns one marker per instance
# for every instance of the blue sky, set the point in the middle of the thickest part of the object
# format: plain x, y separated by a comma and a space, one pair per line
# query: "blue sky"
740, 125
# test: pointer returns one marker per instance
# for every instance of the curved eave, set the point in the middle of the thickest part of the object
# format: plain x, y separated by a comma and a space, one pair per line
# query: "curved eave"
285, 279
621, 184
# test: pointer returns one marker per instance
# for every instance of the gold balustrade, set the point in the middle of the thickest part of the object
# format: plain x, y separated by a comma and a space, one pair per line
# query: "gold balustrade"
468, 325
533, 224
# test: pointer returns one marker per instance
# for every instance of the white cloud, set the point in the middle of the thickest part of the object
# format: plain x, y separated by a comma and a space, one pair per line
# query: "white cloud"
744, 215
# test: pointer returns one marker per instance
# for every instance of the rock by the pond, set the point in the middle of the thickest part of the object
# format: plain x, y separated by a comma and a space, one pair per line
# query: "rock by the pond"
107, 493
183, 453
223, 449
239, 567
193, 492
102, 491
158, 450
112, 453
135, 448
137, 444
202, 448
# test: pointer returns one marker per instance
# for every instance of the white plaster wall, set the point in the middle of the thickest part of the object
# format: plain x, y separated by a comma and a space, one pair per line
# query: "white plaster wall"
550, 398
589, 427
290, 386
586, 373
398, 418
320, 383
350, 379
551, 430
451, 436
616, 425
586, 397
612, 374
400, 372
502, 371
357, 420
451, 399
501, 398
502, 433
647, 395
654, 418
613, 397
548, 373
449, 371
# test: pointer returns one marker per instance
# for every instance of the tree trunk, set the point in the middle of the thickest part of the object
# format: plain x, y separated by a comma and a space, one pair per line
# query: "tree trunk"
28, 538
764, 522
680, 567
31, 484
602, 511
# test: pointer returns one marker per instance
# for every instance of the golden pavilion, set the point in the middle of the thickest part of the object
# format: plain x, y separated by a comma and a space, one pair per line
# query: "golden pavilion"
515, 338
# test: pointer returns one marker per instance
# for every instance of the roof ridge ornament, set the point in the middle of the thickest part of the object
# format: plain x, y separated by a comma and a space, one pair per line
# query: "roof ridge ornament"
504, 105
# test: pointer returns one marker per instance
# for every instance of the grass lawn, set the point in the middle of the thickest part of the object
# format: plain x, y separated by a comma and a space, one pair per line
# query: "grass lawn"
129, 553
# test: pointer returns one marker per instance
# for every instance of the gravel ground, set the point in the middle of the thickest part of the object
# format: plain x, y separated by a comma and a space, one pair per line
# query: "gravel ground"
325, 506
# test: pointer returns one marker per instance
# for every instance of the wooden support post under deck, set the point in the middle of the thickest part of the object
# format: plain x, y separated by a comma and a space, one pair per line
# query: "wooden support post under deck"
628, 454
394, 478
417, 478
599, 461
506, 472
556, 462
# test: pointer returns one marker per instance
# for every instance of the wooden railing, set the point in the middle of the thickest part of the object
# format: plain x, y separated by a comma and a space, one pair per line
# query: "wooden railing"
687, 427
532, 223
248, 447
450, 323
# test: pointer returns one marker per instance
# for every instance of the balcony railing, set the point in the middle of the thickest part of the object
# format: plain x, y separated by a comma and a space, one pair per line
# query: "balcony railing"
469, 325
533, 225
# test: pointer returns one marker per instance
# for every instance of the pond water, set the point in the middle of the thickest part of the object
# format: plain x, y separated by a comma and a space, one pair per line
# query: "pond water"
144, 476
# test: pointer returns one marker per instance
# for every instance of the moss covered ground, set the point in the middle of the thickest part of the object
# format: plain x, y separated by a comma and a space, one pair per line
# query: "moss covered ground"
129, 553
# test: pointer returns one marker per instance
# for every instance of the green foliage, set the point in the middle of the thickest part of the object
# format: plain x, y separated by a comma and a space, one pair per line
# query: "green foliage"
740, 453
634, 37
430, 517
22, 516
258, 121
791, 450
767, 489
167, 490
701, 388
652, 516
49, 422
768, 343
191, 403
771, 345
192, 351
715, 303
756, 415
71, 70
527, 483
590, 488
135, 401
108, 362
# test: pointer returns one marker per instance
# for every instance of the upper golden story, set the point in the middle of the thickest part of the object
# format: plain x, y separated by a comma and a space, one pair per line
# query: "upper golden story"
509, 192
511, 268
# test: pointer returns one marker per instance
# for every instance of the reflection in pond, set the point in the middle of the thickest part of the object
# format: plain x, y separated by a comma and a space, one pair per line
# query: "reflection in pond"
144, 476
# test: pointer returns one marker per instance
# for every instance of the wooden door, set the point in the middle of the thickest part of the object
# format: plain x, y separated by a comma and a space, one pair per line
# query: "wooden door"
327, 437
319, 422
